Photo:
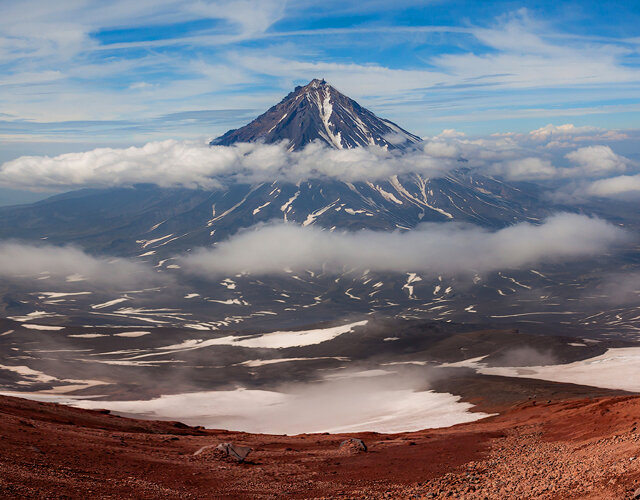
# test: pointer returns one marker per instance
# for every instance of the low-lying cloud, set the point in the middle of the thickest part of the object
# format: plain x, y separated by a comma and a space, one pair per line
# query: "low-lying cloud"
573, 173
620, 288
71, 265
622, 186
194, 164
432, 248
591, 162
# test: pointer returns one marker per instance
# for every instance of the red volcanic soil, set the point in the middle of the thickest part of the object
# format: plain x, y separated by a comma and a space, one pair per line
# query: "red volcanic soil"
583, 448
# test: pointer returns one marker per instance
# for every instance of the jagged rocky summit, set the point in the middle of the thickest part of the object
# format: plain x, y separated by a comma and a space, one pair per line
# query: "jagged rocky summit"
319, 112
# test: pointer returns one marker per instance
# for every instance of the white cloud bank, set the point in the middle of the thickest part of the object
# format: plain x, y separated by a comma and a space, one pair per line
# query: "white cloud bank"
437, 248
596, 161
69, 264
623, 186
587, 162
194, 164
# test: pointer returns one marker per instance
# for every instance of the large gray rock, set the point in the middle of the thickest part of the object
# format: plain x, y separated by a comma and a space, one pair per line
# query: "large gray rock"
352, 446
238, 453
226, 450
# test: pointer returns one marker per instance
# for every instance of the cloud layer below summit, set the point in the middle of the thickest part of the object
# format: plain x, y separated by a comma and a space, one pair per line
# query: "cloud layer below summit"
430, 248
69, 266
592, 169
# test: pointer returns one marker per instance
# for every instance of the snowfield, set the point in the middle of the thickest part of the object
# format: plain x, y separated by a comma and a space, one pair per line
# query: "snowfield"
615, 369
273, 340
331, 407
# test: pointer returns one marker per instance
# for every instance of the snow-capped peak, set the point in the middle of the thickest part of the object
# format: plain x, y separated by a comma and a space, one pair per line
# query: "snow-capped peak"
317, 111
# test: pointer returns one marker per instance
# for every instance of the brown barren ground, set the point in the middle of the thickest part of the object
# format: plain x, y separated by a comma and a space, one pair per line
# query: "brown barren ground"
579, 448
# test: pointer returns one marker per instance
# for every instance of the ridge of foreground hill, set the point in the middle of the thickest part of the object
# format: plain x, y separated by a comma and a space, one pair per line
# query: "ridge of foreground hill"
572, 448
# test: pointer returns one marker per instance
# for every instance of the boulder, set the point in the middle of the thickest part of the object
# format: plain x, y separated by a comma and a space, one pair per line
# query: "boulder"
226, 450
237, 453
352, 446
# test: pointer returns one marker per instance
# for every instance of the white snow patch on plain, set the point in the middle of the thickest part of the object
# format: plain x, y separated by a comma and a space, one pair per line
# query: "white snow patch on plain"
41, 327
109, 303
363, 373
327, 407
34, 315
32, 376
412, 278
25, 371
229, 283
131, 334
350, 295
229, 302
618, 368
273, 340
121, 362
467, 363
252, 363
57, 295
532, 314
198, 326
88, 335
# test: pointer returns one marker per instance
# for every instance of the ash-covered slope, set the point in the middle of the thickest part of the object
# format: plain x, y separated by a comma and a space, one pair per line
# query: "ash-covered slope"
318, 111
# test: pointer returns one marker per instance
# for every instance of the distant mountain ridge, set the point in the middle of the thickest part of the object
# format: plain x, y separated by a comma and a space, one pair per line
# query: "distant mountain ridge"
319, 112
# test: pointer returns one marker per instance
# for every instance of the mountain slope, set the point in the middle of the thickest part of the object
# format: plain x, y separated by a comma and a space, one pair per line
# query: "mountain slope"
123, 221
318, 111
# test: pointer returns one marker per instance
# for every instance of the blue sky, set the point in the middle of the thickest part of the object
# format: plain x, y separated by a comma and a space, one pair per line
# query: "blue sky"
78, 74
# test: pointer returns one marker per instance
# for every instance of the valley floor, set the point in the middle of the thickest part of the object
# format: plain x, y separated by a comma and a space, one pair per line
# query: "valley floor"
574, 446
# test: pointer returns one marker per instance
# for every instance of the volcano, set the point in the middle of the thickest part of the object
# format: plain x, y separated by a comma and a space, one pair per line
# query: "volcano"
319, 112
154, 225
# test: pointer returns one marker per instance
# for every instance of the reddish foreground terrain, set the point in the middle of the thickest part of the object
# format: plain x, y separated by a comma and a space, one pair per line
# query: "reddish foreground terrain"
571, 448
